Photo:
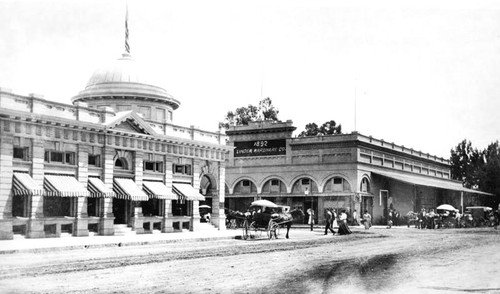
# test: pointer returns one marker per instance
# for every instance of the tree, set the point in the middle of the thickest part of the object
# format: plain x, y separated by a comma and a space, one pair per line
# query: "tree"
267, 109
489, 170
465, 164
328, 128
244, 115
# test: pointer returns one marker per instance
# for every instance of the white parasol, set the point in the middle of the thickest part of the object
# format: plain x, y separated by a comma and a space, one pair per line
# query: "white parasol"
446, 207
265, 203
204, 206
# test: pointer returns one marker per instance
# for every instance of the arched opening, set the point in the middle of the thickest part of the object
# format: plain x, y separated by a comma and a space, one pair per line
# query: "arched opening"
121, 163
365, 186
245, 187
309, 201
274, 186
337, 184
205, 186
304, 184
206, 206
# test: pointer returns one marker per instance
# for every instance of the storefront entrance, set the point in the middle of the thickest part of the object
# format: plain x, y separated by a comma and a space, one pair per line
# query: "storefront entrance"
121, 210
366, 204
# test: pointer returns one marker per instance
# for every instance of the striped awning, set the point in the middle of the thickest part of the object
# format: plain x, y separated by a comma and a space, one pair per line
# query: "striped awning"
127, 189
64, 186
187, 192
98, 189
158, 190
24, 185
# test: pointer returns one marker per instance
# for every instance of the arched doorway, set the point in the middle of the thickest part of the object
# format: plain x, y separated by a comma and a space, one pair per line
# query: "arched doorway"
208, 188
307, 186
366, 197
122, 206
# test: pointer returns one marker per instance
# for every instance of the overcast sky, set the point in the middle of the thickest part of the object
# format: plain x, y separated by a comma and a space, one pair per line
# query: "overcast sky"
423, 74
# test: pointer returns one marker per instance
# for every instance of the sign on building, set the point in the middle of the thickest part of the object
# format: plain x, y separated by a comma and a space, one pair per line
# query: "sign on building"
260, 148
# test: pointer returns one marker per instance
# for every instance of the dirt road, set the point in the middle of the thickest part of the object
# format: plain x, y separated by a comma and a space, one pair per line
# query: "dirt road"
398, 260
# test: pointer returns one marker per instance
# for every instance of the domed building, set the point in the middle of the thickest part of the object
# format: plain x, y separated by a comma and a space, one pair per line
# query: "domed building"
112, 163
123, 85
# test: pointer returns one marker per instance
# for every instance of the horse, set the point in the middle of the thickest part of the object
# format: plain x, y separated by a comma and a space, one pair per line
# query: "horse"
288, 218
493, 218
233, 218
412, 219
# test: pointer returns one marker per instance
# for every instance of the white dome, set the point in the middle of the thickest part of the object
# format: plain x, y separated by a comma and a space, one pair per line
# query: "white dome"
124, 78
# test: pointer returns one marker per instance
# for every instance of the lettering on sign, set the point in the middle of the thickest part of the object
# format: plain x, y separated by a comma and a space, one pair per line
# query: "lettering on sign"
260, 148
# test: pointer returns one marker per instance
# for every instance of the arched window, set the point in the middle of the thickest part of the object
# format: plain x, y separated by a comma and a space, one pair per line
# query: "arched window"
245, 187
121, 163
205, 186
337, 184
365, 185
274, 186
303, 184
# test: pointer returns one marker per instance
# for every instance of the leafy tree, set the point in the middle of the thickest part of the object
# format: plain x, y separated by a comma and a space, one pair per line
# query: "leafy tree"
312, 129
477, 169
244, 115
267, 109
465, 164
489, 169
328, 128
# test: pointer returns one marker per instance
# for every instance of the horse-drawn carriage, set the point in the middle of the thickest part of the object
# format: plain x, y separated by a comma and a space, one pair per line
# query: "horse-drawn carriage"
234, 219
265, 216
477, 216
446, 216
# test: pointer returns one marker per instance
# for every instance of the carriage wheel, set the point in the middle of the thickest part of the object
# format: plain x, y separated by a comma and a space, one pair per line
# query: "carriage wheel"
245, 229
272, 230
254, 230
233, 224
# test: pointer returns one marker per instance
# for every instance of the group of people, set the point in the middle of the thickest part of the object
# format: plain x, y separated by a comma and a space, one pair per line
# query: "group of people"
340, 219
427, 219
393, 217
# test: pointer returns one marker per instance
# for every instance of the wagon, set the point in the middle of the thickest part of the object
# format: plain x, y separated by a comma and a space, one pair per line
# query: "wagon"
447, 216
265, 216
234, 219
479, 215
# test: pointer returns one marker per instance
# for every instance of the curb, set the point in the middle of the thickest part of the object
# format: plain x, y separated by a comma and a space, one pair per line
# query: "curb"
91, 245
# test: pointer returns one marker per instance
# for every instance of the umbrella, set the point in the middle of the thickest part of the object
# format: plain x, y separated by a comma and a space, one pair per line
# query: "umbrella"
263, 202
446, 207
484, 208
204, 206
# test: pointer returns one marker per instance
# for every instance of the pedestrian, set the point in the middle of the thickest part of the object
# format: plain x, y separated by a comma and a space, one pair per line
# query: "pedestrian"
422, 216
335, 217
432, 219
496, 214
329, 221
355, 218
343, 228
397, 217
389, 219
367, 220
310, 212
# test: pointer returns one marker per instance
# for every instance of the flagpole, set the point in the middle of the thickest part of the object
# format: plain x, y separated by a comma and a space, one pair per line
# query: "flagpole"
355, 106
127, 46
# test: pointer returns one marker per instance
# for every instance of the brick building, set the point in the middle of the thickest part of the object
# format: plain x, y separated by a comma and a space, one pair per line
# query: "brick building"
112, 160
350, 171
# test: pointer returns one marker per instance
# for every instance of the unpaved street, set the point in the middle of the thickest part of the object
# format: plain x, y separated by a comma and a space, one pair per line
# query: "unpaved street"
376, 261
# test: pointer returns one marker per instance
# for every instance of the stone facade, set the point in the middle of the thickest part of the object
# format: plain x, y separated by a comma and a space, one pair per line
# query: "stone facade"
349, 171
40, 138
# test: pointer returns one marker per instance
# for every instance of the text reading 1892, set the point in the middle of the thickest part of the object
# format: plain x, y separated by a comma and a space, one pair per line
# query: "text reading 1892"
260, 148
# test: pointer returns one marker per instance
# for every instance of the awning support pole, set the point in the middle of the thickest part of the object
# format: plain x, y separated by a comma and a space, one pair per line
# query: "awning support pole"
462, 201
